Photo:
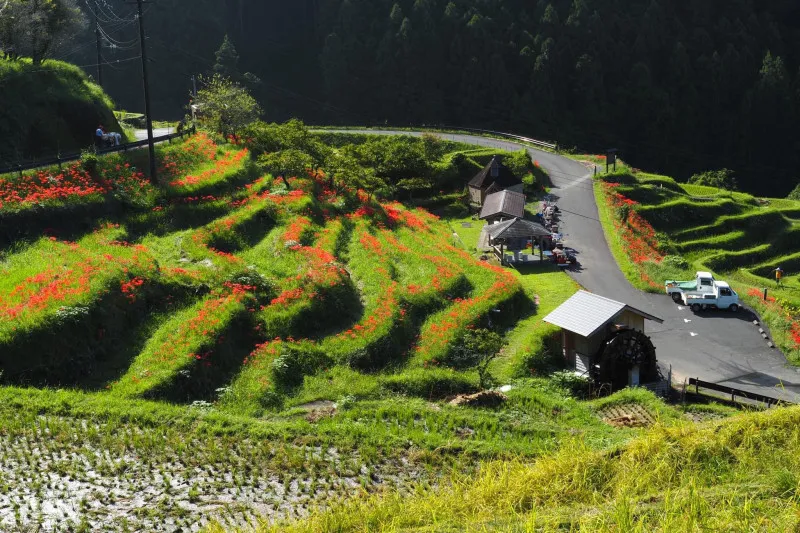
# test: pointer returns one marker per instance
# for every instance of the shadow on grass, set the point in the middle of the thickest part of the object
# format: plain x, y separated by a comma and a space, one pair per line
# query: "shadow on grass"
87, 347
214, 369
68, 223
176, 218
246, 235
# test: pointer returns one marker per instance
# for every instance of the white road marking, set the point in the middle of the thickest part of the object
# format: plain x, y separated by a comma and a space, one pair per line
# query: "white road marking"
680, 308
693, 334
687, 320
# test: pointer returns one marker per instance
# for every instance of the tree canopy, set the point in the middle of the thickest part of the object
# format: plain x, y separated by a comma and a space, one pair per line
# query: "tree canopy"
36, 28
678, 86
226, 106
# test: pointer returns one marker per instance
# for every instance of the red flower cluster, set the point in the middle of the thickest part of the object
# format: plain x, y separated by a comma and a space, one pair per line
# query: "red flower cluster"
229, 161
181, 159
200, 329
372, 244
56, 287
296, 229
130, 287
43, 186
772, 304
640, 239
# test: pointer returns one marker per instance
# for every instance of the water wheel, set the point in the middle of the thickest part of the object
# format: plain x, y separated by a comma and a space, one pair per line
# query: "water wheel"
623, 350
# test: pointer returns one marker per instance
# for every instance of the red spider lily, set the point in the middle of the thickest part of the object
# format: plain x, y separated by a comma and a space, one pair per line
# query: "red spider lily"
641, 243
221, 166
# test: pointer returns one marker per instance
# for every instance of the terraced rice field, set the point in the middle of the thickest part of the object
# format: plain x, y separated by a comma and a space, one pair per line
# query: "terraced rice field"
142, 326
735, 235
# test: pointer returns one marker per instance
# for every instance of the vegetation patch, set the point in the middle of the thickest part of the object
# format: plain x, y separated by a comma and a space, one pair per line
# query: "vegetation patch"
700, 477
705, 228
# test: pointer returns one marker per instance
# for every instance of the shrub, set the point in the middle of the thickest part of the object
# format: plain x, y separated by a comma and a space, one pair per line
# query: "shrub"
546, 358
89, 162
572, 383
795, 194
675, 261
721, 179
476, 350
226, 106
429, 383
519, 162
296, 361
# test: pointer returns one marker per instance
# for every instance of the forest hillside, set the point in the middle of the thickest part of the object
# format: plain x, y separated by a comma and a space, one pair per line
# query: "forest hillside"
678, 87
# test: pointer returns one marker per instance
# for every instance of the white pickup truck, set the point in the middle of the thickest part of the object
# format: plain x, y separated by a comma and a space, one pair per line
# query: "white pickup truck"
703, 293
723, 297
703, 283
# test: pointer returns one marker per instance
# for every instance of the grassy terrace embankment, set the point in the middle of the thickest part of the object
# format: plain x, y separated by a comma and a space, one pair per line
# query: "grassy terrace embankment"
49, 109
736, 475
222, 344
659, 229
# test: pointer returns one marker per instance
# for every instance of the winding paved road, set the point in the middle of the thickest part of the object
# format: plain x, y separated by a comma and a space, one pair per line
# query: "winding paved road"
720, 347
141, 135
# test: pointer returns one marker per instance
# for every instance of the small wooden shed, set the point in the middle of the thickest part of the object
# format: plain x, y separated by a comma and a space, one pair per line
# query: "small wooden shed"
604, 339
503, 205
494, 177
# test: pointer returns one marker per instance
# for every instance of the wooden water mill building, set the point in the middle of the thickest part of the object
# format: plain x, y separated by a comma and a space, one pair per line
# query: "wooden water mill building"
605, 340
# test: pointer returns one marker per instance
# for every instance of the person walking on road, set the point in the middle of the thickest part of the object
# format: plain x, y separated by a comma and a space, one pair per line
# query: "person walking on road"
778, 276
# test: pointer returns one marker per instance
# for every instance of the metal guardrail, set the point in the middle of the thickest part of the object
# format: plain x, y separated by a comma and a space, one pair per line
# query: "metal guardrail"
770, 401
552, 146
535, 142
75, 156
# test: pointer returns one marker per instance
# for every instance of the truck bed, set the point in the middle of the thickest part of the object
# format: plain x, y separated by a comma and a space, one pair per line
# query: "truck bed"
684, 285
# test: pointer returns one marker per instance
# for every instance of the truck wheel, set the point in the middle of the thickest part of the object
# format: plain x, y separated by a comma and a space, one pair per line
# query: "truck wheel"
733, 308
696, 308
676, 297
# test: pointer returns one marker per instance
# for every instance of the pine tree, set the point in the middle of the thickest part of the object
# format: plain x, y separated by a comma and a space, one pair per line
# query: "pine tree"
227, 64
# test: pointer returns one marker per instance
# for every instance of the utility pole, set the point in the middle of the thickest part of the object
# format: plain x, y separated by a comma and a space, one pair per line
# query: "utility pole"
151, 145
99, 58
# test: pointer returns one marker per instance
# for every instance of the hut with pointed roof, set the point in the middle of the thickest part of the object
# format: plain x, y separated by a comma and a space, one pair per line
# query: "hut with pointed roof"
494, 177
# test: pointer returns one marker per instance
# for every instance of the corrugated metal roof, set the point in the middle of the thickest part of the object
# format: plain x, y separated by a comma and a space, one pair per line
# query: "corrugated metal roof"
516, 228
584, 313
509, 203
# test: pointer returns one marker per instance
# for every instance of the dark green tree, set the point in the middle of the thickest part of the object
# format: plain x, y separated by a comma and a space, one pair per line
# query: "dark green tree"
476, 350
286, 164
227, 64
225, 106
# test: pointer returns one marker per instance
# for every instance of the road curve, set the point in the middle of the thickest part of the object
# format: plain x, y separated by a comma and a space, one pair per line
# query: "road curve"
720, 347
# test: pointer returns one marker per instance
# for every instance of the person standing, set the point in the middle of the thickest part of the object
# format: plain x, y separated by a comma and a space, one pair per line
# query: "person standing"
778, 276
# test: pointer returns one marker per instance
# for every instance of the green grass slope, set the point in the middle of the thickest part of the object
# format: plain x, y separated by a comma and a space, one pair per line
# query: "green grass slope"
736, 475
312, 322
688, 227
47, 109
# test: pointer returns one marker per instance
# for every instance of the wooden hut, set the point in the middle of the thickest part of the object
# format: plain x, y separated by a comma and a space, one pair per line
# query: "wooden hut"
604, 339
494, 177
503, 205
514, 235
